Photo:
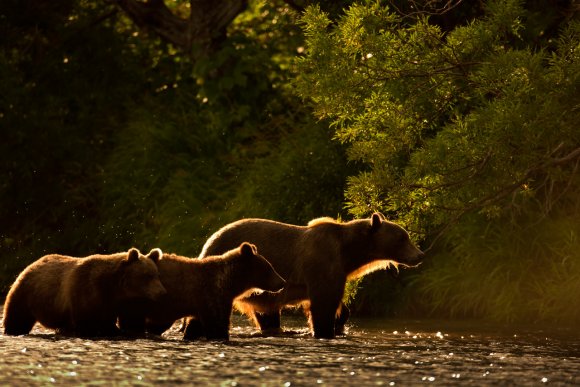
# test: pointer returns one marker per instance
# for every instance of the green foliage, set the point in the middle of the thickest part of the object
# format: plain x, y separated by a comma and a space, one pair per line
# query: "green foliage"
459, 126
237, 144
302, 176
160, 177
406, 93
114, 139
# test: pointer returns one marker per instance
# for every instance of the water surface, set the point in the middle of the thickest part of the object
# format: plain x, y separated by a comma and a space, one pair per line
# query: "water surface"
374, 352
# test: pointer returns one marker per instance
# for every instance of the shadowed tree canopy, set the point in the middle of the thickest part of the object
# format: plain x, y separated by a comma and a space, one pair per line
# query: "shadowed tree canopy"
198, 26
201, 32
118, 131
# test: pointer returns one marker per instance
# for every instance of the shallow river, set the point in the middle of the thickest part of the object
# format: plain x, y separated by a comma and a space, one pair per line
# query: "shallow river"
374, 352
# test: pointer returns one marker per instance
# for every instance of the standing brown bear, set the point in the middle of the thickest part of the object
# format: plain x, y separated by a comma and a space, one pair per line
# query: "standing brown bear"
80, 296
316, 261
204, 290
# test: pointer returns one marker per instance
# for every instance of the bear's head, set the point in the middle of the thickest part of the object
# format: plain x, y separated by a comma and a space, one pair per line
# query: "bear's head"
390, 241
257, 270
140, 277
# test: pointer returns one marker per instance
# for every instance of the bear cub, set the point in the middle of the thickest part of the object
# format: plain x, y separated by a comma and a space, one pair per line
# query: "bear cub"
80, 296
203, 289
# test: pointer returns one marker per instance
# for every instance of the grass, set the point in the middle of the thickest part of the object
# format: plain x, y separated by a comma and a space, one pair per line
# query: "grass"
506, 273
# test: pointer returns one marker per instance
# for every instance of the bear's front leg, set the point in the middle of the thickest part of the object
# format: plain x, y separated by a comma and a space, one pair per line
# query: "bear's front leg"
215, 322
322, 319
218, 330
342, 316
132, 316
193, 329
269, 322
131, 324
264, 310
324, 303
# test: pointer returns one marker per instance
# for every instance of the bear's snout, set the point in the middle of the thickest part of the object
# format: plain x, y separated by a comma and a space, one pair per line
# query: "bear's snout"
410, 255
416, 255
420, 256
277, 284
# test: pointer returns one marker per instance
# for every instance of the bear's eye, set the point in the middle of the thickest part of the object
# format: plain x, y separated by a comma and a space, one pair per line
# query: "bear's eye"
402, 237
147, 277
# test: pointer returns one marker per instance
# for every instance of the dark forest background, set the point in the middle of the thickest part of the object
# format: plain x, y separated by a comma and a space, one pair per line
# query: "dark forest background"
152, 124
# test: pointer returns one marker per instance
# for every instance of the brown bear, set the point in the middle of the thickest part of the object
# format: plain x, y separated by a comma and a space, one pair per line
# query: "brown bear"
316, 261
80, 296
204, 290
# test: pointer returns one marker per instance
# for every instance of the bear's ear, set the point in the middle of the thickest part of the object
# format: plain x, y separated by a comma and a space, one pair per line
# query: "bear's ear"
247, 249
155, 255
383, 217
376, 220
133, 255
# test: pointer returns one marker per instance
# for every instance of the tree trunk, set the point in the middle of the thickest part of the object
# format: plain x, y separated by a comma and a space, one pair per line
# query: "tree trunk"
198, 35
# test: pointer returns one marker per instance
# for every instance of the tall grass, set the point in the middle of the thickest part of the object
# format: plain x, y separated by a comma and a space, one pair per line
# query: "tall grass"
525, 272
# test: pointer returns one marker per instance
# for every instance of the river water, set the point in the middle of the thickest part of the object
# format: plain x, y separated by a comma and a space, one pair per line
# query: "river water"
374, 352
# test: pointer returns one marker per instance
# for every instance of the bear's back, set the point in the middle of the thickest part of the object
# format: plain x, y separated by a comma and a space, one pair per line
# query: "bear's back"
285, 246
177, 272
276, 241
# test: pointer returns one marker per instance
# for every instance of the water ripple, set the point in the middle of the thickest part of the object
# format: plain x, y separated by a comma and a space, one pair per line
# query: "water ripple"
387, 352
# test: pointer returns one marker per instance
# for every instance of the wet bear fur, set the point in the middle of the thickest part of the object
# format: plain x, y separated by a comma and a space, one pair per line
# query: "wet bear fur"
80, 296
204, 290
316, 260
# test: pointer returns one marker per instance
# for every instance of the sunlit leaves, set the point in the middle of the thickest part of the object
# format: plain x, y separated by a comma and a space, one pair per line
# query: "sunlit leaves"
461, 132
457, 121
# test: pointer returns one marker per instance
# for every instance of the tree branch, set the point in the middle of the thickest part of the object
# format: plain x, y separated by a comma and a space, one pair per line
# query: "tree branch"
494, 197
428, 7
295, 6
199, 34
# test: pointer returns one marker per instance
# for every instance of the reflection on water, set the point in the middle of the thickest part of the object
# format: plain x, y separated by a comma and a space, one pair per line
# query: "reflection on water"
374, 352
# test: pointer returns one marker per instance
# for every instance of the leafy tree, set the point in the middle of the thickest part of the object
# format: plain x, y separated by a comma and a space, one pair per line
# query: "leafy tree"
234, 145
196, 27
65, 76
113, 137
468, 134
